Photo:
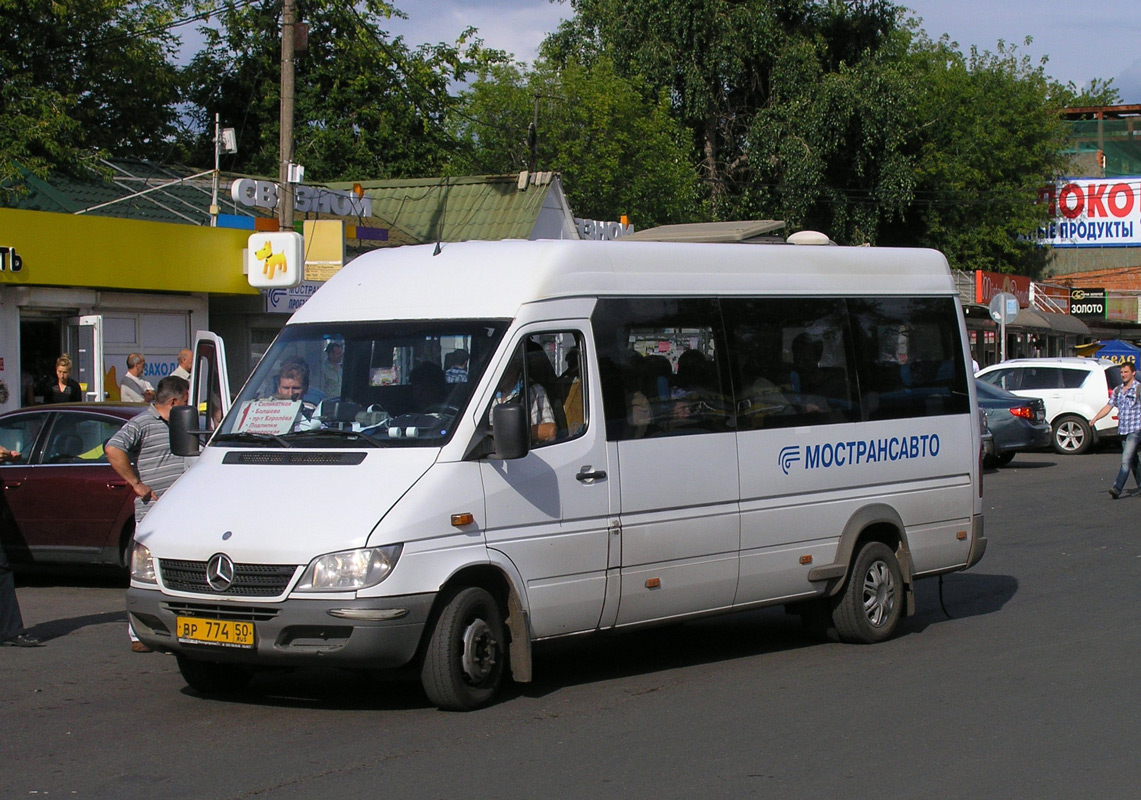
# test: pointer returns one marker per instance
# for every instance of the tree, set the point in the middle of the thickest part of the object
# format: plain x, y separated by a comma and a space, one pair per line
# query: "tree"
841, 115
990, 138
723, 62
84, 77
615, 144
366, 105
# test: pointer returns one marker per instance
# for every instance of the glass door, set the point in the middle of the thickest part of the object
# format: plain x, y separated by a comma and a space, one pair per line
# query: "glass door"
85, 346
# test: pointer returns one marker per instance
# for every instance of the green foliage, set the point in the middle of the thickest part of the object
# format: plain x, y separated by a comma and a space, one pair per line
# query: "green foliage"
843, 116
619, 151
366, 106
839, 115
991, 138
747, 78
83, 77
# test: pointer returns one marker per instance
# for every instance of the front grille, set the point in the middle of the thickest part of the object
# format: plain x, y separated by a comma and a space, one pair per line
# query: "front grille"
237, 614
250, 580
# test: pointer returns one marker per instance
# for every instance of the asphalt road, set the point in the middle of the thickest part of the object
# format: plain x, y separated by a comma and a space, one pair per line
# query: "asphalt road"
1028, 690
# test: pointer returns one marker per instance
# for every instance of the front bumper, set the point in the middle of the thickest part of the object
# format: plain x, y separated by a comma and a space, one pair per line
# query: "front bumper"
343, 633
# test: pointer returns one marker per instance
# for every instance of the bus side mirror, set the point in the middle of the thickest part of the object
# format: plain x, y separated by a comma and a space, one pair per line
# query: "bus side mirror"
511, 431
183, 431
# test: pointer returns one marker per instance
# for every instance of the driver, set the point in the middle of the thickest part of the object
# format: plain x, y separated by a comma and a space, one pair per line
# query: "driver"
292, 384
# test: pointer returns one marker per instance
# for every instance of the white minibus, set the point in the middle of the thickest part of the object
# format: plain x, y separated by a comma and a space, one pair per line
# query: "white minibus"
449, 454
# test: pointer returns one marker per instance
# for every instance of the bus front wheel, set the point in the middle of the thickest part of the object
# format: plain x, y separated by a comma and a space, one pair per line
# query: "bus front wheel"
466, 657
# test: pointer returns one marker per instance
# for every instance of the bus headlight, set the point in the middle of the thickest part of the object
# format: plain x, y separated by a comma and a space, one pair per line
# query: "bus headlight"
142, 565
349, 569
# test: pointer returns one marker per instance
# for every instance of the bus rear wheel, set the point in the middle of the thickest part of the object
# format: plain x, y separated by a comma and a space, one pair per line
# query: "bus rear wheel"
869, 608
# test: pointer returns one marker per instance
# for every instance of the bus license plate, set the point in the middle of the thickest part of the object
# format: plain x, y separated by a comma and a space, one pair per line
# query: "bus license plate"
227, 633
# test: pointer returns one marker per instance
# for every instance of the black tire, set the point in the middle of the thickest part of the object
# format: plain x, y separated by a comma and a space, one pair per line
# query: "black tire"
1003, 459
466, 656
869, 608
210, 677
1072, 435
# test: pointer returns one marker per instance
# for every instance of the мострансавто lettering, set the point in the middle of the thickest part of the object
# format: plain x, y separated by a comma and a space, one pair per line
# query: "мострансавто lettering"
870, 451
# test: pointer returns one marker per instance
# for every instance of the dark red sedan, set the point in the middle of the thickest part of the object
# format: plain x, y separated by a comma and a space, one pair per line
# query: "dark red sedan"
62, 503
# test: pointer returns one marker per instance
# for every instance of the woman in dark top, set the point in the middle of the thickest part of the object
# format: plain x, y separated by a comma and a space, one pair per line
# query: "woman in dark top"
64, 388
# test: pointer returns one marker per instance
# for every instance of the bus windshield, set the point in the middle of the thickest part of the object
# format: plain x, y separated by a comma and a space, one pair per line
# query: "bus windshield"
370, 384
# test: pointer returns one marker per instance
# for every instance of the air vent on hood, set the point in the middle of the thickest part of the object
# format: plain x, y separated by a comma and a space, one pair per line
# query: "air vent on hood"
308, 459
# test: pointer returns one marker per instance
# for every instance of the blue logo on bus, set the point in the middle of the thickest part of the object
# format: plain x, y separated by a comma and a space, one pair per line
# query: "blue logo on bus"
857, 452
788, 456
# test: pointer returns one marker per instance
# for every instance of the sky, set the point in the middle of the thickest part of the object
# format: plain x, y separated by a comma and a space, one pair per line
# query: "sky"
1082, 40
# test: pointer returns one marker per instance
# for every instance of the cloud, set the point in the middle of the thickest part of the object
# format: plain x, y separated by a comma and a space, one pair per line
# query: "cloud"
1128, 83
515, 26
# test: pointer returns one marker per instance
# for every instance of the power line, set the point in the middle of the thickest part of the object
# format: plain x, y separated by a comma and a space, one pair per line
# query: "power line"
153, 30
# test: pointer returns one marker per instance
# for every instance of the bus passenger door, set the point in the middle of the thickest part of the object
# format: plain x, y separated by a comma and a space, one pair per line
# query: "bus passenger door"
548, 511
669, 415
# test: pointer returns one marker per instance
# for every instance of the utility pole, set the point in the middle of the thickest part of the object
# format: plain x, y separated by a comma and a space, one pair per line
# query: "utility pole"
285, 195
214, 208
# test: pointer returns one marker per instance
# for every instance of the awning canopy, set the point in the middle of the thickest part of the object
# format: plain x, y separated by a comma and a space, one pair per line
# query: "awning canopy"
1034, 319
1065, 323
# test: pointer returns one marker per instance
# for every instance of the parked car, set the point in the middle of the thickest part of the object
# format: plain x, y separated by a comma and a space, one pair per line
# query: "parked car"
1073, 390
1016, 423
986, 439
62, 502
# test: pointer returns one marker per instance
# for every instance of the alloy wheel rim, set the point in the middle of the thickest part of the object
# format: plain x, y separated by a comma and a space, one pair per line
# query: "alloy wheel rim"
879, 593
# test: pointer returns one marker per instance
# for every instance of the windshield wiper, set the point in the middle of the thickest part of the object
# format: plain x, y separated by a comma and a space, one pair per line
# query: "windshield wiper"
337, 432
246, 436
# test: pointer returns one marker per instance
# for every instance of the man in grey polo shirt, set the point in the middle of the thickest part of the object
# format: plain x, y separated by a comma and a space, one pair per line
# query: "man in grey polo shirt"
140, 453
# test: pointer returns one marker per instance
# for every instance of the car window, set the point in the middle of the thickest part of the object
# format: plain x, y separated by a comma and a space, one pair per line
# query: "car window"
1041, 378
1074, 378
1009, 379
1113, 377
662, 366
551, 366
79, 439
18, 434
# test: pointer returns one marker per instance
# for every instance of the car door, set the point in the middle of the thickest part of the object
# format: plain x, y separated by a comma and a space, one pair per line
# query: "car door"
72, 504
1044, 383
548, 512
19, 433
210, 380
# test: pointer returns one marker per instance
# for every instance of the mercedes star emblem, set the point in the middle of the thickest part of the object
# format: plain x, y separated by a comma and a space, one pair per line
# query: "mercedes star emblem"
220, 572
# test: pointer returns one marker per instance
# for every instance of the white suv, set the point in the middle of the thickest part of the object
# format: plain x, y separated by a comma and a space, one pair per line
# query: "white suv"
1073, 390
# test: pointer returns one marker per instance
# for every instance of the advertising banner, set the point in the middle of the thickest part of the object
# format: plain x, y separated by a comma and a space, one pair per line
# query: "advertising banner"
1089, 303
988, 284
1094, 212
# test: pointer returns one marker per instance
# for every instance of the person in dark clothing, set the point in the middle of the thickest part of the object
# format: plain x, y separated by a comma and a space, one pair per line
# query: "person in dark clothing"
11, 623
64, 389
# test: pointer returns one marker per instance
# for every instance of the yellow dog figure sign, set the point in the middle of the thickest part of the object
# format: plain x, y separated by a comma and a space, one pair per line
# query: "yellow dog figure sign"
276, 260
271, 261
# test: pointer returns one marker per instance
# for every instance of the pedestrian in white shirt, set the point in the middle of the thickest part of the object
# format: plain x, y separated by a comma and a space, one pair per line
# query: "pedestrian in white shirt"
133, 389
